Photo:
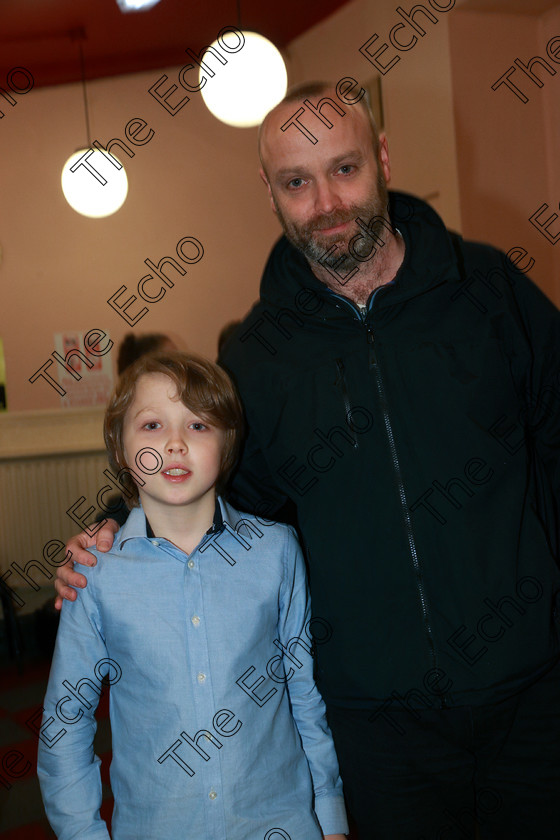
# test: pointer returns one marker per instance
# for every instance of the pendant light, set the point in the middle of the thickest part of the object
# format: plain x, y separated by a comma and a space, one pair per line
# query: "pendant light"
94, 182
253, 82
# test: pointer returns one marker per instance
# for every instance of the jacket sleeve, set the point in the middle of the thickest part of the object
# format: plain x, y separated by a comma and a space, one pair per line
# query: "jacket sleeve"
253, 487
68, 769
541, 409
254, 490
308, 708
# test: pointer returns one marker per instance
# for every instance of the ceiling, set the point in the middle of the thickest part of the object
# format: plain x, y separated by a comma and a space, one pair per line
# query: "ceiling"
44, 35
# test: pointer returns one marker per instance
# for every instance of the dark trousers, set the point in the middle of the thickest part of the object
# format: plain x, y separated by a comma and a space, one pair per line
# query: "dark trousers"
491, 772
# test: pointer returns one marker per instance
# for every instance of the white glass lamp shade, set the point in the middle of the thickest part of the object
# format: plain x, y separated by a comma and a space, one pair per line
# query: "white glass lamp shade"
92, 183
254, 80
136, 5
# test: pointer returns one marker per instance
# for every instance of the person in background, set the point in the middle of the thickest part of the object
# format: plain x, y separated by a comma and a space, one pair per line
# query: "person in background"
133, 346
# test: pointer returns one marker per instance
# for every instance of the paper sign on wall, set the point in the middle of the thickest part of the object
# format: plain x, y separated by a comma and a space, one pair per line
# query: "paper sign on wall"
90, 381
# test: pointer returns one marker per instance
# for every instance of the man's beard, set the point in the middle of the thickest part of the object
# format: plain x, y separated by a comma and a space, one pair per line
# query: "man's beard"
309, 239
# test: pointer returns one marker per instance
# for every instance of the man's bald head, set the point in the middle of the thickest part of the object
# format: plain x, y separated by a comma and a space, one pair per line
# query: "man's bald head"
312, 91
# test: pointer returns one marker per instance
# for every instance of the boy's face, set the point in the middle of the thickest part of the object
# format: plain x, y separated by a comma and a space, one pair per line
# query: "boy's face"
188, 449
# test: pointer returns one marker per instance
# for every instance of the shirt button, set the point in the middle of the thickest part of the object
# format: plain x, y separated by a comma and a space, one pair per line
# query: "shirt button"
155, 542
190, 564
195, 620
212, 794
201, 677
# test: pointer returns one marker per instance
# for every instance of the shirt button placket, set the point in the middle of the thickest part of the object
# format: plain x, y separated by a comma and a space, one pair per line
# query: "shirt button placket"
203, 694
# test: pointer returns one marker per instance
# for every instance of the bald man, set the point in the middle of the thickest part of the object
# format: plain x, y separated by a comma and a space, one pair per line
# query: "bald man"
401, 393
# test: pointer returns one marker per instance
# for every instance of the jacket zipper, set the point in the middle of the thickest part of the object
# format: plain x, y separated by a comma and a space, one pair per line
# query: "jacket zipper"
374, 364
402, 495
345, 396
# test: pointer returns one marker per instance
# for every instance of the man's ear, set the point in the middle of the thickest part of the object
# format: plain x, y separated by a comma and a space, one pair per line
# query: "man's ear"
262, 173
383, 156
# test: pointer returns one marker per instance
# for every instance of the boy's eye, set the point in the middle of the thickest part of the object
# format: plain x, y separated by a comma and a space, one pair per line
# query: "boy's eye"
153, 424
198, 427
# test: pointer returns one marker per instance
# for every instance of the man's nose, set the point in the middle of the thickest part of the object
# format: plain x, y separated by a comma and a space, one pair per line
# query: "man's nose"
326, 197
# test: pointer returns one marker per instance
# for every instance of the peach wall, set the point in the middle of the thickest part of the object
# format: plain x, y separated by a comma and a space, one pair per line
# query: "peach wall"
507, 150
196, 177
549, 25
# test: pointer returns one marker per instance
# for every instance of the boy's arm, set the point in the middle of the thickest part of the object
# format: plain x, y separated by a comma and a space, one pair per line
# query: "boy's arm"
67, 767
308, 708
66, 577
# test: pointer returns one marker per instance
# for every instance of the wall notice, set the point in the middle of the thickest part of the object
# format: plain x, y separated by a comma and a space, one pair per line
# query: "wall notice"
87, 376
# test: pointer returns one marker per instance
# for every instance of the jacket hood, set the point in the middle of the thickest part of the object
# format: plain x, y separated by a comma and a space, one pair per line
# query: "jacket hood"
288, 273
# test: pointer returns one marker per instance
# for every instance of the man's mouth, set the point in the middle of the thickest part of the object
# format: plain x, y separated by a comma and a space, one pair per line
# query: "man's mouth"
334, 229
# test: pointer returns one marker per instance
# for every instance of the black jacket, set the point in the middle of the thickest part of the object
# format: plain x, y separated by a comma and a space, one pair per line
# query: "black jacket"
419, 444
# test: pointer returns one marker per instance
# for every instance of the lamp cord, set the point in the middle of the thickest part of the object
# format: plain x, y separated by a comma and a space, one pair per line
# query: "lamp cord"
84, 90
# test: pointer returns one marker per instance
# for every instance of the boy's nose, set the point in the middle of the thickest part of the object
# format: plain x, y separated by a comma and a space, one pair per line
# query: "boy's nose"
177, 445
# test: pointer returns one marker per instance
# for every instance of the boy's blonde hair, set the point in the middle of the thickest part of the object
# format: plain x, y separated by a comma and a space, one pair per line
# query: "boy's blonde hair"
202, 386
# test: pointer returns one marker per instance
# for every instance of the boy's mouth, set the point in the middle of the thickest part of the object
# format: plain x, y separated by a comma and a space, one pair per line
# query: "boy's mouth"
176, 474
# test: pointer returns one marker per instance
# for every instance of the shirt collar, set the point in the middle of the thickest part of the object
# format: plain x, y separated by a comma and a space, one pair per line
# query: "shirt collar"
137, 525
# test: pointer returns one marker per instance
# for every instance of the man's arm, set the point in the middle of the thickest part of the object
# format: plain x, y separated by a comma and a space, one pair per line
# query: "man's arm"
308, 708
541, 413
66, 577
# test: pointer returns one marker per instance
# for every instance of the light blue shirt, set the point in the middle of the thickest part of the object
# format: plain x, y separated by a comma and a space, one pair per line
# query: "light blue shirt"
219, 732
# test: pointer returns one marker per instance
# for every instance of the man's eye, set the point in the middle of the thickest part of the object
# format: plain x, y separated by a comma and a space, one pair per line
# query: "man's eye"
346, 169
296, 183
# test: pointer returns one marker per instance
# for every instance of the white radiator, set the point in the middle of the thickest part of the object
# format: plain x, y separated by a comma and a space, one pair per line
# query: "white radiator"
38, 487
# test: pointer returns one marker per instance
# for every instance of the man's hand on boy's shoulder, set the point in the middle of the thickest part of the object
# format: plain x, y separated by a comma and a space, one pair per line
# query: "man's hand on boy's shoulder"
334, 836
66, 577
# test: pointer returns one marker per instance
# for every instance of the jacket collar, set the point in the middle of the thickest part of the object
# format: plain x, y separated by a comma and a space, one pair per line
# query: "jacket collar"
429, 259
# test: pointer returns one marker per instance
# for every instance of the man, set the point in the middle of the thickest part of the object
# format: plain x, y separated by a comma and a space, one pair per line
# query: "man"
401, 391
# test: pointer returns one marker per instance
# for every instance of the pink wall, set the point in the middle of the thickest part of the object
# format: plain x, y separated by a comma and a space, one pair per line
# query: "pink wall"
549, 24
196, 177
507, 150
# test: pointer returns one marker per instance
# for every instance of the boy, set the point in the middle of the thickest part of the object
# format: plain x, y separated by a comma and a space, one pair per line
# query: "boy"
218, 729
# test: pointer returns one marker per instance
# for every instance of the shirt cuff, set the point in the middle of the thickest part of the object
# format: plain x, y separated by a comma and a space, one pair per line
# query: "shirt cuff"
331, 813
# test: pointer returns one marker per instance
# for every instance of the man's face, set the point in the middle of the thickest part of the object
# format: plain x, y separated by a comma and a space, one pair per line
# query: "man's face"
186, 449
319, 189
